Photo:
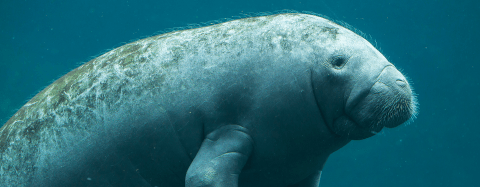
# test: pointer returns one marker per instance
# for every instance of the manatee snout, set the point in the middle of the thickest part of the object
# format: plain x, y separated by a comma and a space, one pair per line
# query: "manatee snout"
390, 102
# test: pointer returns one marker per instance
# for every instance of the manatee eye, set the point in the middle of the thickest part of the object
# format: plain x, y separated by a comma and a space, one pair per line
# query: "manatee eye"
339, 61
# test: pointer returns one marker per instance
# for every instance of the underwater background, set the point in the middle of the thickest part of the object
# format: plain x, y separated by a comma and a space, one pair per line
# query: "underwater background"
434, 42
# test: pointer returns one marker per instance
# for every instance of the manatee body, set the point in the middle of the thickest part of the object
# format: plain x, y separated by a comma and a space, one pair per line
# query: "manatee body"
260, 101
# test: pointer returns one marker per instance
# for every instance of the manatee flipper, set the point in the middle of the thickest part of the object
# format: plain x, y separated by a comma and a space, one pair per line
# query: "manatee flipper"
221, 158
311, 181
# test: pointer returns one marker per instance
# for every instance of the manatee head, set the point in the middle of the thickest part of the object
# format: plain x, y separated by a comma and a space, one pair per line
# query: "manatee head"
358, 91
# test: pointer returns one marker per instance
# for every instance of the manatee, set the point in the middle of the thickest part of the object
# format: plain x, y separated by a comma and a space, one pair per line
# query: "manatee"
253, 102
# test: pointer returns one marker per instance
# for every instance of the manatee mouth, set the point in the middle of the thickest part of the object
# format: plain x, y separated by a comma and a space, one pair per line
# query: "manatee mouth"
389, 103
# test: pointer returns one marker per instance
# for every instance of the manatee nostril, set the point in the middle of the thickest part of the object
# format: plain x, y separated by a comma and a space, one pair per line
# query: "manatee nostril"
401, 83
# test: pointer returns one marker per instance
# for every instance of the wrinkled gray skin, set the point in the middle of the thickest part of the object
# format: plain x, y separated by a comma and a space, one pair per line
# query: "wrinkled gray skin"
253, 102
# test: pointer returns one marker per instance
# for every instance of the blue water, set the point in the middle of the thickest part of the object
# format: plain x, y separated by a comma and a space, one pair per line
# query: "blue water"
434, 42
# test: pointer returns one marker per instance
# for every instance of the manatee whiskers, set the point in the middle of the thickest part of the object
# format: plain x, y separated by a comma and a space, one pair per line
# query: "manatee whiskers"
397, 110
